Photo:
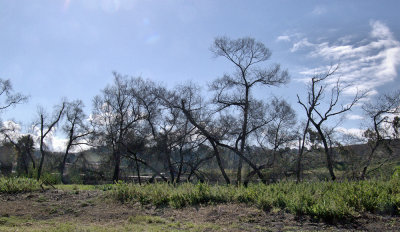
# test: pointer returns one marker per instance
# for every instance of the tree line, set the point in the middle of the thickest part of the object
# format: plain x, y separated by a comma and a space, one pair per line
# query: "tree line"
179, 133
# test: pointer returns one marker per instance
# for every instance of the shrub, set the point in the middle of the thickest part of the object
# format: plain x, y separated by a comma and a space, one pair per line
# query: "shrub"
329, 201
18, 185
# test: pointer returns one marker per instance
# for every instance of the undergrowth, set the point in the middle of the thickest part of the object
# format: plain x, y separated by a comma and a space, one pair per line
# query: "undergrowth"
330, 201
18, 185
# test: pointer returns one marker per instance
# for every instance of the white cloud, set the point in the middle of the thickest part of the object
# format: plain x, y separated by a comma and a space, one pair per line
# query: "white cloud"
380, 30
301, 44
351, 131
283, 38
367, 64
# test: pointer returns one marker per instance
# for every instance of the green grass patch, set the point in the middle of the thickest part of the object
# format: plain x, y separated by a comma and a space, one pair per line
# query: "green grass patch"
82, 187
322, 200
133, 223
18, 185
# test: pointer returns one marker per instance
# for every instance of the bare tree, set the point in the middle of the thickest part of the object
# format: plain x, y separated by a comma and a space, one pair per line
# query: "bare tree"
46, 126
235, 91
76, 129
318, 113
202, 119
188, 100
383, 115
277, 133
115, 112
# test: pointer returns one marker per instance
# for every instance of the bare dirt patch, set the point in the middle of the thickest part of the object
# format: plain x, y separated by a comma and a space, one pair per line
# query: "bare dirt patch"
92, 207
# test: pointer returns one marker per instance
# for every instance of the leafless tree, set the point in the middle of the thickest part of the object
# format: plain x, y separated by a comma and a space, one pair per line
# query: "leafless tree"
317, 112
277, 133
383, 113
203, 120
147, 138
47, 124
75, 128
188, 100
115, 113
235, 91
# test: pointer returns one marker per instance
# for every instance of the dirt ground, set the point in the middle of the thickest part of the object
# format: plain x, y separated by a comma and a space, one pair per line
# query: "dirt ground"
93, 208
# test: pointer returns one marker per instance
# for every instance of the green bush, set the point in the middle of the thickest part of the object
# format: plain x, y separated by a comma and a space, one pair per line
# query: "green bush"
18, 185
51, 178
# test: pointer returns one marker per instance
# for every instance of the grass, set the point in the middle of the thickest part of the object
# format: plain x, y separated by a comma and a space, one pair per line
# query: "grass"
18, 185
133, 223
329, 201
82, 187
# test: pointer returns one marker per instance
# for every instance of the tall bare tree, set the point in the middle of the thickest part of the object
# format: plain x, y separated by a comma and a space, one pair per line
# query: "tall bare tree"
75, 128
234, 91
188, 100
47, 124
115, 113
319, 110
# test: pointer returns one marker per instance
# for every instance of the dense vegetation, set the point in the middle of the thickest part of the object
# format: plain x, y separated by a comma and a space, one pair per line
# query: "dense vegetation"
323, 200
330, 201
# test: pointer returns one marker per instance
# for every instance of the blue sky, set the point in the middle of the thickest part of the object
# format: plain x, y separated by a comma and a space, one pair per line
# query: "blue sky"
68, 48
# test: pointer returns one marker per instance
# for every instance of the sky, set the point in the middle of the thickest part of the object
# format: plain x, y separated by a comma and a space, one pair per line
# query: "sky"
52, 49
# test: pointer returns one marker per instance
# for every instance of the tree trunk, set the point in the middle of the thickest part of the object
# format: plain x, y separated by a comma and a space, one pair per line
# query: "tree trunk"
42, 153
117, 159
219, 162
178, 178
329, 161
244, 134
63, 164
301, 151
138, 169
210, 139
374, 148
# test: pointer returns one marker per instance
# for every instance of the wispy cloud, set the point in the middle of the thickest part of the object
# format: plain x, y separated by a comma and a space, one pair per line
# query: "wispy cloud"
301, 44
367, 64
358, 133
283, 38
